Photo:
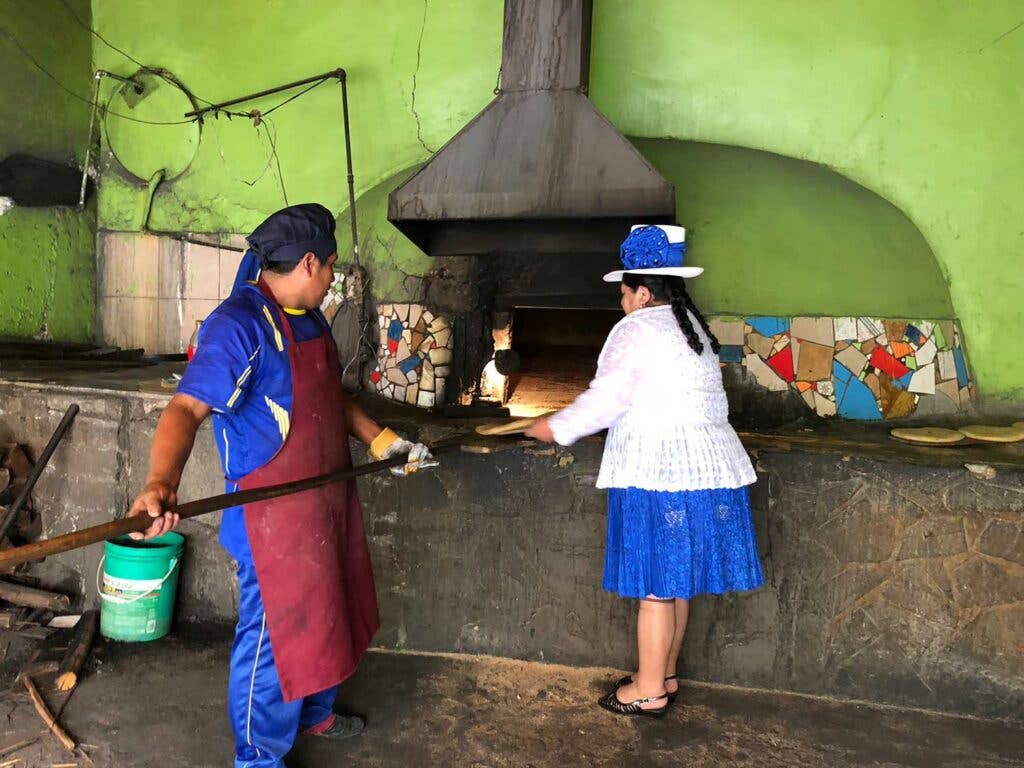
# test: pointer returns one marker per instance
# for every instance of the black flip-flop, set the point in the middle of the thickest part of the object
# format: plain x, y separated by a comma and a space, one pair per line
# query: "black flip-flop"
633, 708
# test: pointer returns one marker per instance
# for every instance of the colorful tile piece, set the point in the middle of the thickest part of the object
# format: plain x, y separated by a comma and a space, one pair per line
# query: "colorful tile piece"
765, 375
926, 352
902, 406
824, 406
845, 328
853, 359
820, 330
961, 367
885, 362
853, 399
938, 336
728, 332
914, 335
947, 365
410, 364
923, 380
950, 390
948, 333
904, 381
731, 353
867, 328
900, 349
762, 345
826, 387
814, 362
868, 346
769, 326
894, 329
408, 332
808, 397
782, 363
803, 386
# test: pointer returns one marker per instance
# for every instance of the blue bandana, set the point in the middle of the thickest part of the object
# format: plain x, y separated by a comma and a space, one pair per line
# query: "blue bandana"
649, 248
287, 236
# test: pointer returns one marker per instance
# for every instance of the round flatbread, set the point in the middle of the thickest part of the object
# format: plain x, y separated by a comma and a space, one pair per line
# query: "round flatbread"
994, 434
928, 435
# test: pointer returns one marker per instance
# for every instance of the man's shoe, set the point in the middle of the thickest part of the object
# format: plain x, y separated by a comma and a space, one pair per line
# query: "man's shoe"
343, 727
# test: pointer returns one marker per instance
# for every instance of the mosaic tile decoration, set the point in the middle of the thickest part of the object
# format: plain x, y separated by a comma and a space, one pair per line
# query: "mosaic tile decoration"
415, 354
853, 367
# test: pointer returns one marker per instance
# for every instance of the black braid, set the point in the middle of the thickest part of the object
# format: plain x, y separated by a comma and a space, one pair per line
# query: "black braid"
673, 289
715, 346
680, 301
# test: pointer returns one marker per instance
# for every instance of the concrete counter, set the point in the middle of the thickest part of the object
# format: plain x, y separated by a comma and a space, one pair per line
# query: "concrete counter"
891, 576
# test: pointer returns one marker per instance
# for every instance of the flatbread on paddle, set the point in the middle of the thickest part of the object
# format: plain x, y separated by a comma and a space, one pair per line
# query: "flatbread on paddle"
994, 434
928, 435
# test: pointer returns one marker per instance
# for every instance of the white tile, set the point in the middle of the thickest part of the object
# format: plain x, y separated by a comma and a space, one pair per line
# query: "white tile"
169, 318
923, 380
425, 399
129, 265
129, 322
169, 278
845, 328
824, 406
201, 271
947, 365
229, 261
867, 328
765, 375
926, 353
440, 356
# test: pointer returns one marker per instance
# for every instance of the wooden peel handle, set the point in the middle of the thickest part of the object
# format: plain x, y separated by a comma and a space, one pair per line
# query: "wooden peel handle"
97, 533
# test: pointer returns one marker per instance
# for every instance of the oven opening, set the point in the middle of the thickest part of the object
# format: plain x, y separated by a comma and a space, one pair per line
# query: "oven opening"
554, 356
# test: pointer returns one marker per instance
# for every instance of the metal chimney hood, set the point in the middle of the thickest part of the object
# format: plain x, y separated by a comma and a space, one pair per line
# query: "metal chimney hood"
540, 169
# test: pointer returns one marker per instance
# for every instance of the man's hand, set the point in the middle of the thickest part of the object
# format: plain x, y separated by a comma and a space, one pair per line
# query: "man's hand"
388, 445
154, 499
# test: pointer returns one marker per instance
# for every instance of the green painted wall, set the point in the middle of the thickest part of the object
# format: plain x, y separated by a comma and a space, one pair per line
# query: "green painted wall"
919, 101
47, 255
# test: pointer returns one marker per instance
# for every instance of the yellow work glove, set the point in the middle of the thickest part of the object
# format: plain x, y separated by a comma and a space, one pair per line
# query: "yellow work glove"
388, 444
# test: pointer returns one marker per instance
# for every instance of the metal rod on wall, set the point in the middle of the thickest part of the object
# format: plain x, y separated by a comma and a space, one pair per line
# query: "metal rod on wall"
338, 73
343, 79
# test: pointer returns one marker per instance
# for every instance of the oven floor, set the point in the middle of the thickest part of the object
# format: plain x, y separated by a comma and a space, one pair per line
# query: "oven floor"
162, 704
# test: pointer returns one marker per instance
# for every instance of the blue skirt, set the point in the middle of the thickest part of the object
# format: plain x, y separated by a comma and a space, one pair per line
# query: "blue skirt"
680, 543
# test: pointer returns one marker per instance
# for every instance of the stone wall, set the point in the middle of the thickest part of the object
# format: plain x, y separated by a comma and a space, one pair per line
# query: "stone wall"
885, 581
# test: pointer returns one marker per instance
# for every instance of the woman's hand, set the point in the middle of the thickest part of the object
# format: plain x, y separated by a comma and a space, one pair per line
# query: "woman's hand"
153, 500
541, 430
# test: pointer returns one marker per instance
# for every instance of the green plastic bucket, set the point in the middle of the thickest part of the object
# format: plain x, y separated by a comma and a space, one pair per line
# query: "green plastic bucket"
137, 582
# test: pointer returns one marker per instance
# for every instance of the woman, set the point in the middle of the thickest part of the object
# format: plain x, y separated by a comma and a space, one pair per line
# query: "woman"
679, 520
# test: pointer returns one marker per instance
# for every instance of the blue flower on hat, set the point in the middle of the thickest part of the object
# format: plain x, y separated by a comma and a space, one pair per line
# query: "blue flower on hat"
649, 248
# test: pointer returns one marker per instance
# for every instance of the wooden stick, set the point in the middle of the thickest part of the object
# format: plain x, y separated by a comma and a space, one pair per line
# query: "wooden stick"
33, 598
44, 713
5, 751
37, 470
85, 631
97, 533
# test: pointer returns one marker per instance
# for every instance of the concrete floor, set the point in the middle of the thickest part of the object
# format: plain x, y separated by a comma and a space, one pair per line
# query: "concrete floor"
163, 705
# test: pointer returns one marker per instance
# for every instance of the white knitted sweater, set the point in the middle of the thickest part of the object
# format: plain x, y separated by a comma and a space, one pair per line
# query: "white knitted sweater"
664, 407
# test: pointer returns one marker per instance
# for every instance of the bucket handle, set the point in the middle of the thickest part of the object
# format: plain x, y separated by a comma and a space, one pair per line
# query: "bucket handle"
121, 601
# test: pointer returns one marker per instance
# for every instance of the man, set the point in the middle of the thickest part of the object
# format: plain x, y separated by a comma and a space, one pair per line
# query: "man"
267, 369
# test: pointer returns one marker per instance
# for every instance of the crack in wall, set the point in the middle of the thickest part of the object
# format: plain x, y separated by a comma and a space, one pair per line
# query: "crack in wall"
419, 50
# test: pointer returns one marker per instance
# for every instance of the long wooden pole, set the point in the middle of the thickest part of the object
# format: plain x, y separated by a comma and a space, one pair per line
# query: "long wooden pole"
97, 533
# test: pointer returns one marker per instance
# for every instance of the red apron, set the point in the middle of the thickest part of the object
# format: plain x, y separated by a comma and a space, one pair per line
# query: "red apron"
309, 549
